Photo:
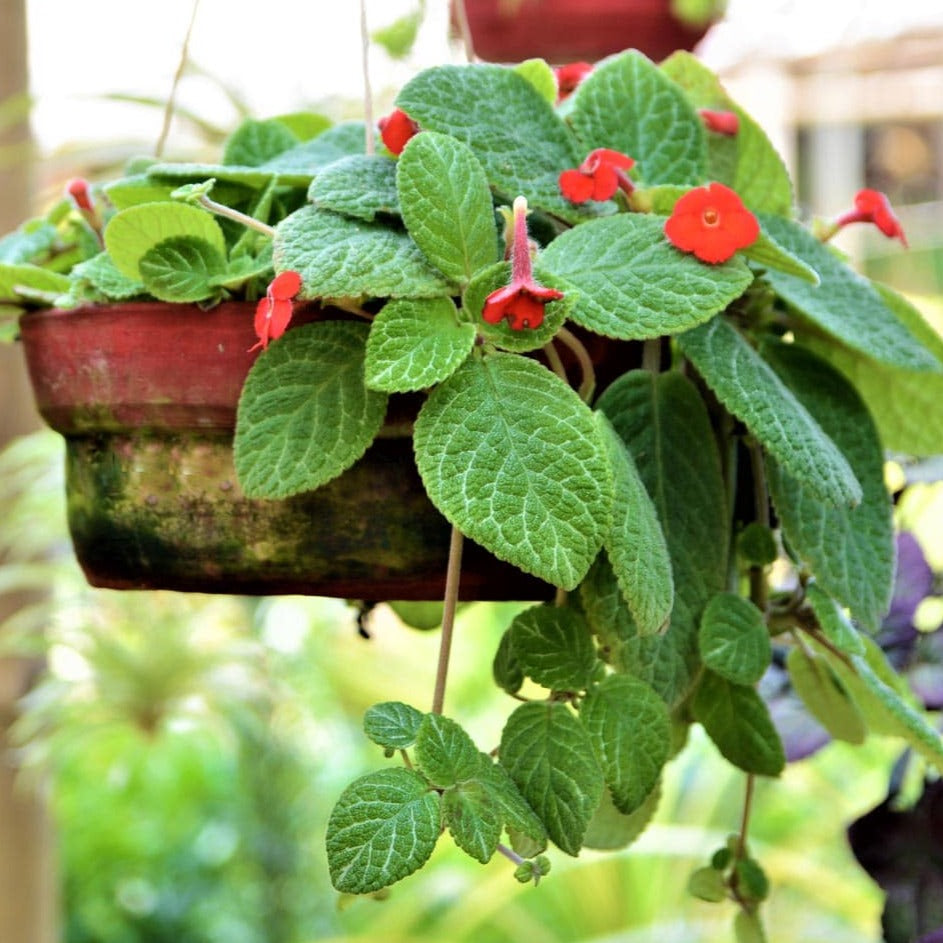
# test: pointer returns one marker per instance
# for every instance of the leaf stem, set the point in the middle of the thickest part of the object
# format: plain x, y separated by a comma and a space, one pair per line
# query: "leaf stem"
745, 817
249, 221
588, 384
510, 854
651, 355
556, 364
452, 575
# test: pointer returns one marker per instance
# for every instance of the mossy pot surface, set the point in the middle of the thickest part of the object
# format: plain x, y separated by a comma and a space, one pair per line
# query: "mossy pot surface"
145, 395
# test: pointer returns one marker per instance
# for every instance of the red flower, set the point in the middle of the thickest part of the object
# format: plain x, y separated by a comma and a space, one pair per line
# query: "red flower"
711, 222
720, 122
396, 129
522, 301
569, 76
598, 177
274, 311
77, 188
872, 206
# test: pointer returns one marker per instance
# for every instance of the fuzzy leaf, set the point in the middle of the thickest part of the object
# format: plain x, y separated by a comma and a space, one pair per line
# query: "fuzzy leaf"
609, 829
659, 291
305, 415
553, 646
383, 827
181, 269
392, 724
473, 819
255, 142
360, 185
832, 621
636, 544
511, 456
415, 344
506, 669
750, 389
550, 758
825, 696
339, 257
132, 232
844, 304
769, 254
446, 205
308, 158
518, 817
850, 550
738, 721
627, 104
524, 152
629, 727
733, 639
14, 276
100, 275
539, 73
445, 754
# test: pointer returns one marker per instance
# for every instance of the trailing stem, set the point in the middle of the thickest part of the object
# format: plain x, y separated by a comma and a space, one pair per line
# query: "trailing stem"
452, 576
588, 383
370, 144
248, 221
178, 75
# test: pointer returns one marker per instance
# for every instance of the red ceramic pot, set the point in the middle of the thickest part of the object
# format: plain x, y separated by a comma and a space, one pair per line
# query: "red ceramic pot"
145, 395
573, 30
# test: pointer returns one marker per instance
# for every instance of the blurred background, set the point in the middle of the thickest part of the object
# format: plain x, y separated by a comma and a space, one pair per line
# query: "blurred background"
168, 762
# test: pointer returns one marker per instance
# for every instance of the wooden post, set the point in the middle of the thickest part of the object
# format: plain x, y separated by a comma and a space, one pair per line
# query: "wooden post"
28, 885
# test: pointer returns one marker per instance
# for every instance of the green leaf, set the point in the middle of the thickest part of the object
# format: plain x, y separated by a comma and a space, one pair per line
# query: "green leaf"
473, 819
522, 153
750, 389
609, 829
418, 614
511, 456
550, 758
98, 277
748, 928
181, 269
660, 291
254, 143
630, 730
506, 669
519, 818
360, 185
301, 162
132, 232
13, 277
708, 884
910, 421
636, 544
553, 646
392, 724
844, 304
665, 425
747, 161
414, 344
733, 639
539, 73
850, 550
339, 257
629, 105
383, 827
445, 754
825, 696
398, 38
305, 415
446, 205
769, 254
304, 125
738, 721
832, 621
129, 191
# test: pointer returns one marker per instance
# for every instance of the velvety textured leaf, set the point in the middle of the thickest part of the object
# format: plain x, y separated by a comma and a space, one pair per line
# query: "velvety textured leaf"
833, 622
14, 276
747, 162
506, 669
911, 420
609, 829
629, 105
629, 727
850, 550
633, 283
553, 646
304, 414
445, 754
255, 142
539, 73
138, 188
360, 185
665, 425
524, 152
339, 257
550, 758
131, 232
844, 304
825, 696
512, 457
738, 722
181, 269
414, 344
733, 639
446, 205
518, 817
383, 827
392, 724
473, 819
752, 391
99, 273
636, 545
769, 254
309, 157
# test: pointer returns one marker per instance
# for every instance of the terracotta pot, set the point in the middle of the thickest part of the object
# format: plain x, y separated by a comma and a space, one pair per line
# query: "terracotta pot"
573, 30
145, 396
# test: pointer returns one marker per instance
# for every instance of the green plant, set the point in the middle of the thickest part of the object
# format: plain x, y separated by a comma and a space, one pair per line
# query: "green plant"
725, 486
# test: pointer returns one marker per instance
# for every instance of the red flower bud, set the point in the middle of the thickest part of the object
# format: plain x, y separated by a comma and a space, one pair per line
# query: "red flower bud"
720, 122
396, 129
569, 77
77, 188
598, 177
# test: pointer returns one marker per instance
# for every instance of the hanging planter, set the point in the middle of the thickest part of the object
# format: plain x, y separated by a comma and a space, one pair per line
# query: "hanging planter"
566, 31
